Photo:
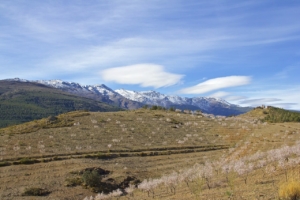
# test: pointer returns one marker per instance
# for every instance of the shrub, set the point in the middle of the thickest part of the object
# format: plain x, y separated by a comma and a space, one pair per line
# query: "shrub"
3, 164
290, 190
174, 121
35, 192
91, 178
27, 161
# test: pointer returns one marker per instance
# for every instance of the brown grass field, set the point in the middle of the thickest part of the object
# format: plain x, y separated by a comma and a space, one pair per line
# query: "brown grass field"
147, 144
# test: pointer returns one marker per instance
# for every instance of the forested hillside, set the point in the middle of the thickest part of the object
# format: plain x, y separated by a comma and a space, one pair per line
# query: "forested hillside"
21, 102
280, 115
273, 114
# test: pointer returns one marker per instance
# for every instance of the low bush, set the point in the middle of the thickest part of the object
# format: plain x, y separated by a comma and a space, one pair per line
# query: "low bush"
35, 192
91, 178
3, 164
27, 161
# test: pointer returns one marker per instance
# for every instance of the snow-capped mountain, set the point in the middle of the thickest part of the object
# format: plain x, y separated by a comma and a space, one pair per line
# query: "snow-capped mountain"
156, 98
132, 100
96, 92
206, 104
77, 88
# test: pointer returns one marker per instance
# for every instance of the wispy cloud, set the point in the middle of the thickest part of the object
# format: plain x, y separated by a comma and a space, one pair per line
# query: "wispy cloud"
219, 94
227, 96
235, 98
119, 36
135, 50
287, 72
286, 97
285, 105
145, 75
217, 83
260, 101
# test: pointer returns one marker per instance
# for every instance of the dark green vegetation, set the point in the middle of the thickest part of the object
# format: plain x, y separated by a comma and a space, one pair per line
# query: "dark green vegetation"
36, 192
276, 115
96, 179
22, 102
273, 114
91, 178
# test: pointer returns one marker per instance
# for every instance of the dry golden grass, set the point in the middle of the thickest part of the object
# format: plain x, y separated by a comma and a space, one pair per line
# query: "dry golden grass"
175, 141
257, 113
125, 131
290, 190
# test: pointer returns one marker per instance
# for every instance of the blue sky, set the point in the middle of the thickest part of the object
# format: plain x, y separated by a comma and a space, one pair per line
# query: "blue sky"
246, 52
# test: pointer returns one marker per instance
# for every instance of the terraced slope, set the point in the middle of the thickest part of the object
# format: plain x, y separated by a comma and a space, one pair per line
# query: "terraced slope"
181, 156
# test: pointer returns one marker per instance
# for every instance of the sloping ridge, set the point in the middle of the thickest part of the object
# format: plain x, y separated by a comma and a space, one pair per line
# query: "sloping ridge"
26, 101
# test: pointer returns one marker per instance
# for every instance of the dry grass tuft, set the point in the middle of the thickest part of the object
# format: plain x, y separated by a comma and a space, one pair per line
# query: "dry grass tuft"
290, 190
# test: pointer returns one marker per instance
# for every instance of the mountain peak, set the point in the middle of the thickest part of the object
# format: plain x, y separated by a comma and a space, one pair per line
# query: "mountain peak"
103, 86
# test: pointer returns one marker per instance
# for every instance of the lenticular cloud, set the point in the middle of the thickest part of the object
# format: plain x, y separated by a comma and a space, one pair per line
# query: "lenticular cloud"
145, 75
217, 83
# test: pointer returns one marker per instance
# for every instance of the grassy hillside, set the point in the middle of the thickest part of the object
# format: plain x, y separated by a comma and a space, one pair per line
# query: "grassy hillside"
22, 102
164, 154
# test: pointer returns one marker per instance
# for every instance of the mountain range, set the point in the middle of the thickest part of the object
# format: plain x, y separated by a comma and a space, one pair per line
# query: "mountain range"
209, 105
132, 99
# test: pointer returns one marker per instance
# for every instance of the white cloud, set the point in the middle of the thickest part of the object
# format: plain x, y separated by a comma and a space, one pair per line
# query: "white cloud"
145, 75
217, 83
287, 97
269, 102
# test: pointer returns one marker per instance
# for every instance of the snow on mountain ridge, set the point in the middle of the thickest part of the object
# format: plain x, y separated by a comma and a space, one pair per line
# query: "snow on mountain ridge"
102, 89
156, 98
124, 97
16, 79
